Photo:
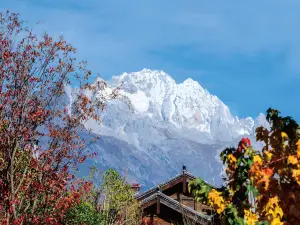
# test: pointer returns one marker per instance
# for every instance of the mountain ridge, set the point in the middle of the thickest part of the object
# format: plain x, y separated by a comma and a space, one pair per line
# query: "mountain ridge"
163, 125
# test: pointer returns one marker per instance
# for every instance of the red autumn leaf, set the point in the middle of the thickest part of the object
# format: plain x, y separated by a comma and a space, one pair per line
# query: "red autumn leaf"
39, 173
81, 160
246, 141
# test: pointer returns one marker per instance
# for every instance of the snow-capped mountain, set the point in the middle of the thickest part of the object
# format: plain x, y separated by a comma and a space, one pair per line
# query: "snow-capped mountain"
158, 125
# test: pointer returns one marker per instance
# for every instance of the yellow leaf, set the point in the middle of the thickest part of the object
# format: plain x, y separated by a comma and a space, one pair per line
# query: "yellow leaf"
216, 201
278, 211
257, 159
296, 175
268, 155
231, 158
250, 217
298, 143
274, 200
272, 204
298, 147
276, 221
292, 160
284, 135
220, 209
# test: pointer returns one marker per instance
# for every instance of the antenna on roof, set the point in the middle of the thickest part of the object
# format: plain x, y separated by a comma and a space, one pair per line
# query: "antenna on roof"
183, 168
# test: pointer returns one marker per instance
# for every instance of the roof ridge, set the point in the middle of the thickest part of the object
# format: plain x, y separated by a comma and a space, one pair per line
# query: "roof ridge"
160, 184
174, 178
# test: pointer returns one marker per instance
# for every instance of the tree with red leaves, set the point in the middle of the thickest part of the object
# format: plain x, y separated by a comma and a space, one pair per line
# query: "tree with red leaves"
39, 136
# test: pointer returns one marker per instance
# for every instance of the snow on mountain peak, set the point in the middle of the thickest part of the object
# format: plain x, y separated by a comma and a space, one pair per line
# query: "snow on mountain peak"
186, 107
166, 125
191, 84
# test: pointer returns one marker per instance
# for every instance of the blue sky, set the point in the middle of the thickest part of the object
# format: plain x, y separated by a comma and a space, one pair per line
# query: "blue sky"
245, 52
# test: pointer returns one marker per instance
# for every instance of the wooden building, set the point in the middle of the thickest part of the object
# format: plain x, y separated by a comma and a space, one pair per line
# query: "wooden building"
170, 203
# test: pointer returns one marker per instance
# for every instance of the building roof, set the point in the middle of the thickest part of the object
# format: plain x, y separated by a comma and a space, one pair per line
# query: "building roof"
175, 205
158, 194
166, 183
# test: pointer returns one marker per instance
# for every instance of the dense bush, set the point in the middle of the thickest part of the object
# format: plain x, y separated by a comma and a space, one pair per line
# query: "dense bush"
84, 213
117, 207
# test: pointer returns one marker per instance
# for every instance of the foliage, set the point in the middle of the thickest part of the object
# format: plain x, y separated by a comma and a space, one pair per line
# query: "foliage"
39, 137
88, 210
261, 187
120, 206
84, 213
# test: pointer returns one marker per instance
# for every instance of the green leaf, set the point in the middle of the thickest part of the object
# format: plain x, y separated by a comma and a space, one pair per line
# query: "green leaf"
262, 223
240, 221
249, 162
252, 189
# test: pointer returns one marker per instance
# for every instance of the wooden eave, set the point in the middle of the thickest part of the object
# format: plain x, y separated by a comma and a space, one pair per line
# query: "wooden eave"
160, 198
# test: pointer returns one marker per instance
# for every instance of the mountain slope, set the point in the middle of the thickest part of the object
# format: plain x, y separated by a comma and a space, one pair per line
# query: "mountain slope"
159, 125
